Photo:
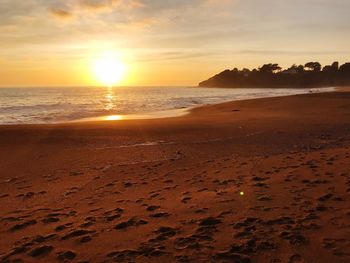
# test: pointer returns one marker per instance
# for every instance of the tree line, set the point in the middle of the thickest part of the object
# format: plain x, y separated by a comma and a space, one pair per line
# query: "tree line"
312, 74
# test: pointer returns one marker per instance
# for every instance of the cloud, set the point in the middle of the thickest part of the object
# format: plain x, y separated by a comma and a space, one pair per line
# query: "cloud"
172, 56
233, 26
61, 13
97, 4
133, 9
293, 52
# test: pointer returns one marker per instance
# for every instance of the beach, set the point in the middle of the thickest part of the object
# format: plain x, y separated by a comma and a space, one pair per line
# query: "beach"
262, 180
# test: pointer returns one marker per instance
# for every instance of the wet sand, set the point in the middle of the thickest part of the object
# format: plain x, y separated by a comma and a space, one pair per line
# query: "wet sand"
264, 180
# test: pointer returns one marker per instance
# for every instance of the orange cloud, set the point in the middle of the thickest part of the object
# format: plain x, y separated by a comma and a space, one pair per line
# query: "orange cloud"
61, 13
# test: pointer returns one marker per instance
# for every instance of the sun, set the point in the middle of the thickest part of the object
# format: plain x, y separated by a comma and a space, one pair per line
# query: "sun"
108, 70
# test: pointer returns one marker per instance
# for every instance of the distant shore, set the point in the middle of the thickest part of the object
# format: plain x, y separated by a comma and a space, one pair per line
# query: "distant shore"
256, 180
310, 75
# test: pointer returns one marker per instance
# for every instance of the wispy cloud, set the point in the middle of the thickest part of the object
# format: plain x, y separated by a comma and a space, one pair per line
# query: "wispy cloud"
294, 52
61, 13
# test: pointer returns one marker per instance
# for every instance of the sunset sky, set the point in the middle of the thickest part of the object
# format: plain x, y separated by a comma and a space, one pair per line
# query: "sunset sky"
164, 42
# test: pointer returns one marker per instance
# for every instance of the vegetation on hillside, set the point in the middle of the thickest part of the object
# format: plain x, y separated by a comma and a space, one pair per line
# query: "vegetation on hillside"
312, 74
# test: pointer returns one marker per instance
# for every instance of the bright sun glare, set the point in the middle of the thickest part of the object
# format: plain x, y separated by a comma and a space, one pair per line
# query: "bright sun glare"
109, 70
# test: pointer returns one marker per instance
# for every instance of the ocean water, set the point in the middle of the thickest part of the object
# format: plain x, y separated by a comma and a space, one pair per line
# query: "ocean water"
65, 104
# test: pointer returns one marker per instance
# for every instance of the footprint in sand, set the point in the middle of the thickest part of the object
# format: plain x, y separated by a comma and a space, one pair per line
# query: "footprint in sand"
23, 225
131, 222
76, 233
152, 208
66, 256
41, 251
159, 215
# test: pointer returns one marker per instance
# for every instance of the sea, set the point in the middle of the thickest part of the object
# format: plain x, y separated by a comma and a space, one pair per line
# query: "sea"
48, 105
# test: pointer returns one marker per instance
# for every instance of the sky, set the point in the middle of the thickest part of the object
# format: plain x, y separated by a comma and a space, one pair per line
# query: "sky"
164, 42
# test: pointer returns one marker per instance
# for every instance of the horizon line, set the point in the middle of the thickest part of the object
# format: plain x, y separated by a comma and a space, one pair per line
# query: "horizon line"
94, 86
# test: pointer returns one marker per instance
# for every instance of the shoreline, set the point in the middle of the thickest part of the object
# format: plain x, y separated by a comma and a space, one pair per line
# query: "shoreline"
171, 113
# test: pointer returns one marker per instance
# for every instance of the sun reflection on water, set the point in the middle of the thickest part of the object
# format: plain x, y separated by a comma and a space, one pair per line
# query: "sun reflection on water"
110, 105
110, 99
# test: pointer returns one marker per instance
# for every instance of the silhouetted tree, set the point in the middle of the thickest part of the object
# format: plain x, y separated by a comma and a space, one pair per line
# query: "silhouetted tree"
270, 68
327, 68
314, 66
331, 68
297, 69
345, 68
335, 66
300, 68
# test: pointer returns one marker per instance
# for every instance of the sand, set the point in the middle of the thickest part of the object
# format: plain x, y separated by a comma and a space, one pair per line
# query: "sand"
264, 180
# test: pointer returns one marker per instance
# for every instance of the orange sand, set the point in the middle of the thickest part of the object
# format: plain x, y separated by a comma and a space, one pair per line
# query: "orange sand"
263, 180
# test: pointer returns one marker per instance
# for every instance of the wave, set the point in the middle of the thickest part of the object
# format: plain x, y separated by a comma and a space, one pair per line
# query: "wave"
52, 105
